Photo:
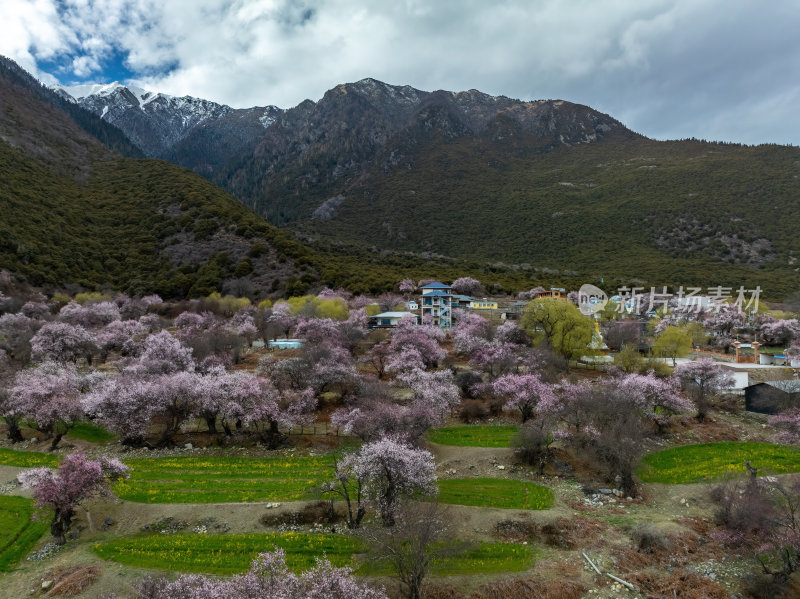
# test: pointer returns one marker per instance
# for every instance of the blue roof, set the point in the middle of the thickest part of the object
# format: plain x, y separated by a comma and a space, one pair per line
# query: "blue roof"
436, 285
436, 294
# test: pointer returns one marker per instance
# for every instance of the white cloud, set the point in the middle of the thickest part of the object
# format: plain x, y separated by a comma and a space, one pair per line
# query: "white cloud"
722, 69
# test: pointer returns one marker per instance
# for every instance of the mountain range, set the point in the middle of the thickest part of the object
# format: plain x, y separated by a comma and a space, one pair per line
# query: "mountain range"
549, 185
374, 182
81, 208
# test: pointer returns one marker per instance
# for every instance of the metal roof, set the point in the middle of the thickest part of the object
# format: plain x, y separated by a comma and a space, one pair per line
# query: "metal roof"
436, 294
435, 285
787, 386
393, 315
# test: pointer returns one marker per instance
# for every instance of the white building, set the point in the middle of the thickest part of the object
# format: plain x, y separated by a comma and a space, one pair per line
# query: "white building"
389, 320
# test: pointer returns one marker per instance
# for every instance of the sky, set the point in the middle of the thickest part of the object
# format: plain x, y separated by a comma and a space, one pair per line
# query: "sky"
725, 70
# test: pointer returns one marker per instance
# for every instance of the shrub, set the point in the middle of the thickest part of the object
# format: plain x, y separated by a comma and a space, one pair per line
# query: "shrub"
515, 531
649, 538
473, 410
319, 512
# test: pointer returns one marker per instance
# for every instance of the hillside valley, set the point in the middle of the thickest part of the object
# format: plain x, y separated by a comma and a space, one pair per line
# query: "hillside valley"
78, 214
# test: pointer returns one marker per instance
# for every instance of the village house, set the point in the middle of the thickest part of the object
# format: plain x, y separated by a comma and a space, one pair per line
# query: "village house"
553, 293
436, 305
772, 397
483, 304
389, 320
461, 301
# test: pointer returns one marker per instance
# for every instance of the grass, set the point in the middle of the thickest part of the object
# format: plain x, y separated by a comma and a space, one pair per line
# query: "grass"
714, 461
18, 530
477, 558
495, 492
226, 554
231, 554
27, 459
217, 479
223, 479
474, 436
486, 558
91, 432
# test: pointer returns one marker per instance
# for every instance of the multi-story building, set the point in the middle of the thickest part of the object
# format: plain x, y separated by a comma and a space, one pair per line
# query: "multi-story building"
436, 305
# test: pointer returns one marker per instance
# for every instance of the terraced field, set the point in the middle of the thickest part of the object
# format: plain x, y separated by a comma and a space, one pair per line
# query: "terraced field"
18, 530
230, 554
226, 554
708, 462
474, 436
495, 492
223, 479
27, 459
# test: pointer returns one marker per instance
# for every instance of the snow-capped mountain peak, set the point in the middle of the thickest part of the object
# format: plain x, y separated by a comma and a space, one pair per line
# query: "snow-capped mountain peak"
102, 90
157, 122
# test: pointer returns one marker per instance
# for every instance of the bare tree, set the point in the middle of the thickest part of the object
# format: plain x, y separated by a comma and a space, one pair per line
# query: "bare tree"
762, 515
413, 544
349, 486
534, 441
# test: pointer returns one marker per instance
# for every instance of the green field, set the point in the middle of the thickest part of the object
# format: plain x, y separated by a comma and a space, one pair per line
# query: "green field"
474, 436
486, 558
230, 554
478, 558
714, 461
223, 479
27, 459
226, 554
18, 531
495, 492
91, 432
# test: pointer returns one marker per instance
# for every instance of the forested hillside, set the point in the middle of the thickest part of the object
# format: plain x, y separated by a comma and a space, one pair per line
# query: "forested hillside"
674, 213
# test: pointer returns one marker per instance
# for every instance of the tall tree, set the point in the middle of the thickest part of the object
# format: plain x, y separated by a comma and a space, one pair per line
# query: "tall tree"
77, 479
558, 324
673, 342
49, 395
524, 392
391, 471
703, 379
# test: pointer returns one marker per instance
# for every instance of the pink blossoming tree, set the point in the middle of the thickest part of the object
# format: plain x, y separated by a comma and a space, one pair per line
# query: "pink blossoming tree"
268, 578
62, 342
466, 286
703, 379
49, 396
391, 470
525, 392
657, 398
424, 339
77, 479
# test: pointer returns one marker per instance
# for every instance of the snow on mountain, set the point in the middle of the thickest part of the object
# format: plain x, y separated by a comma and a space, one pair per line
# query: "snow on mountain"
153, 121
193, 132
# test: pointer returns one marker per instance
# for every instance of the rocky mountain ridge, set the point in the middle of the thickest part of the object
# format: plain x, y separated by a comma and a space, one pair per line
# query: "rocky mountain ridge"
547, 184
268, 156
157, 123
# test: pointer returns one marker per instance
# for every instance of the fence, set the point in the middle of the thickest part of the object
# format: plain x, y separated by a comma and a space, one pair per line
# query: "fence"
317, 428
